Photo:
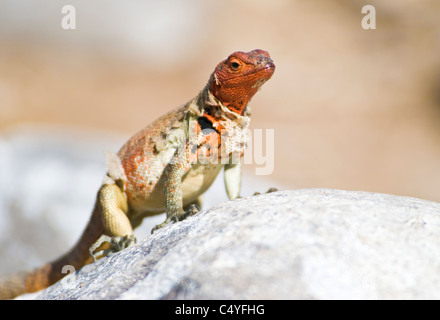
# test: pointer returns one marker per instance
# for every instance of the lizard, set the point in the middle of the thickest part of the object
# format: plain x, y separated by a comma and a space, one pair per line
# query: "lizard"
165, 167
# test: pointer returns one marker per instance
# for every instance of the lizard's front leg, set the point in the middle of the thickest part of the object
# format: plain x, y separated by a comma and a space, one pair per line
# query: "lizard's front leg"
173, 174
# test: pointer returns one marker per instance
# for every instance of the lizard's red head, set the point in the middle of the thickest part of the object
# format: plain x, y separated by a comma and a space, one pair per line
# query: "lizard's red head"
236, 79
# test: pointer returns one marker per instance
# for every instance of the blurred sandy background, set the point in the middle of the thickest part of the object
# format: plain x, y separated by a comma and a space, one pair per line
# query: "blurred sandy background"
351, 108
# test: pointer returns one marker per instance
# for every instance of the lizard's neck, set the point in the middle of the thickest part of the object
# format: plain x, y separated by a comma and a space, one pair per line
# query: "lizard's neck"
215, 110
231, 127
234, 96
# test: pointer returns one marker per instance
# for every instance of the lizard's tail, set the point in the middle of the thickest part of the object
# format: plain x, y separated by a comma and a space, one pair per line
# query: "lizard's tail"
46, 275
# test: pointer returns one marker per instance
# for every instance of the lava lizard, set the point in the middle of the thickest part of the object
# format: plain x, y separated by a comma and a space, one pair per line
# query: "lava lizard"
165, 167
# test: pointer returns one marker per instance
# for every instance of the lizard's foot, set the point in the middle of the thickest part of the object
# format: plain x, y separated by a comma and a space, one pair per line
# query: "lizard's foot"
192, 210
116, 243
268, 191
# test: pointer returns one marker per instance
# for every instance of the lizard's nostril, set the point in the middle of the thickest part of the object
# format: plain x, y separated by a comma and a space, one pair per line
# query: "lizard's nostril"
264, 61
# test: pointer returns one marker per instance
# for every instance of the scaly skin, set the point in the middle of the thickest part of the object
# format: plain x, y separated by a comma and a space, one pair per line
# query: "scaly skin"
165, 167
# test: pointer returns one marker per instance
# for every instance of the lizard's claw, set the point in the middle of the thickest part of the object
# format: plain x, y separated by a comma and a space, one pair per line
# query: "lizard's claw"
192, 210
117, 243
158, 226
268, 191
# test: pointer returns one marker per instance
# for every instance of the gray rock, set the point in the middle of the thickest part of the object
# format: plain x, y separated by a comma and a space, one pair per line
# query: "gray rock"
303, 244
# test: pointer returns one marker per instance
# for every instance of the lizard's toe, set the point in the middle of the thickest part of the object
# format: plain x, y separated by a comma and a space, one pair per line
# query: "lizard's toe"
116, 243
268, 191
192, 210
161, 225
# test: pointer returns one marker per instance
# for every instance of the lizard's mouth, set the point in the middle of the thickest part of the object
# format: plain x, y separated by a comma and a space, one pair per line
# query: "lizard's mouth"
266, 71
264, 62
270, 67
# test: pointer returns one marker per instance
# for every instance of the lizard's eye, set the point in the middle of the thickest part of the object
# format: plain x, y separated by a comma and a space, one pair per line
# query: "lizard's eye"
235, 64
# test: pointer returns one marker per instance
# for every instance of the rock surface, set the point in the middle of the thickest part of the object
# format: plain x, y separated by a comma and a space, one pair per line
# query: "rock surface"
303, 244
